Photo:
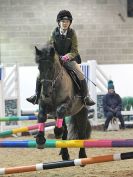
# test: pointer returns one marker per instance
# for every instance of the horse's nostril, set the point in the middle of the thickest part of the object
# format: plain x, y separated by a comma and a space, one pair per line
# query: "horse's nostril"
46, 96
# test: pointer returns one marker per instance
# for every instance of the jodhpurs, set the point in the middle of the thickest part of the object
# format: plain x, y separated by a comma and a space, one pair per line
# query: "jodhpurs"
72, 65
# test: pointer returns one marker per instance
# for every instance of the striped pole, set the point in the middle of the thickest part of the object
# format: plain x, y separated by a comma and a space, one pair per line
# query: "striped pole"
23, 129
22, 118
68, 163
68, 143
14, 118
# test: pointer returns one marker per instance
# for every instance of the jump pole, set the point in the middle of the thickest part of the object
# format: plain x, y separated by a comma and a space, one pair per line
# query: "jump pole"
23, 129
15, 118
68, 163
23, 118
91, 143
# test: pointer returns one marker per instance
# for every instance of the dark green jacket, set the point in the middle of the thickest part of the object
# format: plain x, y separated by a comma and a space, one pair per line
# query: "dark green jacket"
65, 45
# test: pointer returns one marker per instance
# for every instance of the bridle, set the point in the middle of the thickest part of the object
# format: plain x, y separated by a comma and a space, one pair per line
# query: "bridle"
53, 81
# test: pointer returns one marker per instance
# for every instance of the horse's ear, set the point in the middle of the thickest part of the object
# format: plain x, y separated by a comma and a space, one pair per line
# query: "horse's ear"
38, 52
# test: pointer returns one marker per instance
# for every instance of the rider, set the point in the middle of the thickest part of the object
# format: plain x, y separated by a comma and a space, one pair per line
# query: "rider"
65, 43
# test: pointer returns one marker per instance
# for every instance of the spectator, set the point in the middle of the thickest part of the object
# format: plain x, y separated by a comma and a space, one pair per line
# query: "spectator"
112, 106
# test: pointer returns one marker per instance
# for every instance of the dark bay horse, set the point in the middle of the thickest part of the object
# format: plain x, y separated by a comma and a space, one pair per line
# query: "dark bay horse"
58, 98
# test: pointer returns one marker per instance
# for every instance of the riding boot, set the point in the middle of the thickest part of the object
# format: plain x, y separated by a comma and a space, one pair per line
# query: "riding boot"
34, 99
84, 93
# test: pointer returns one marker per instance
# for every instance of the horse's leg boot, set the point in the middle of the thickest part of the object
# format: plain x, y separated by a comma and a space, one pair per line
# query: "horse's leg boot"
40, 140
84, 93
58, 132
34, 99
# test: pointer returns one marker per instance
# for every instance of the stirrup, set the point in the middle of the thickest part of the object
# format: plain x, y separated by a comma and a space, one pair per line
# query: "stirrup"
33, 99
88, 101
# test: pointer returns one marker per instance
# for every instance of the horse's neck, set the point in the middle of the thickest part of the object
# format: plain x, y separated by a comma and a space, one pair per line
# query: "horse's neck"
61, 71
58, 66
62, 74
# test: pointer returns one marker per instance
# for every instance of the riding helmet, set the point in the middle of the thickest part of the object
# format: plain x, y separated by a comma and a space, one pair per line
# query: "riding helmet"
64, 15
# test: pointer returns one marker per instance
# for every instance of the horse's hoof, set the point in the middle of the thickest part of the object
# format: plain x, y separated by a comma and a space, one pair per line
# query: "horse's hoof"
83, 156
58, 137
58, 132
40, 140
65, 157
40, 146
64, 153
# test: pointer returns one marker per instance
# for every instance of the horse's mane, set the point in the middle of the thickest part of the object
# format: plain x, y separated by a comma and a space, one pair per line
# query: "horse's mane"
46, 52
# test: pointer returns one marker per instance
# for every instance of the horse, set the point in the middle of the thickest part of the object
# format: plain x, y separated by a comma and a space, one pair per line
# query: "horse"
59, 98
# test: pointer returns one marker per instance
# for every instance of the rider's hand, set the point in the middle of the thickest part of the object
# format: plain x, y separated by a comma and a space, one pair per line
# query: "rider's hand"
65, 58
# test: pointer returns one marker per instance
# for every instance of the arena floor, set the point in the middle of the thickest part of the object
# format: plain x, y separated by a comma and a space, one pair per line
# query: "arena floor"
19, 157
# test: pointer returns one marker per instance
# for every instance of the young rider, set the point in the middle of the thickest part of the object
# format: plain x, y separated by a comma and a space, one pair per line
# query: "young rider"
65, 43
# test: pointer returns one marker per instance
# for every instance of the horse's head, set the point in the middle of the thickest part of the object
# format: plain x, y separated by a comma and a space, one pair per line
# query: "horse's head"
45, 60
48, 65
44, 56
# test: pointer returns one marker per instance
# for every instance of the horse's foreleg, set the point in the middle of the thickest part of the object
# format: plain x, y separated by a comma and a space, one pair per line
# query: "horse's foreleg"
40, 139
58, 130
64, 151
61, 112
82, 153
81, 119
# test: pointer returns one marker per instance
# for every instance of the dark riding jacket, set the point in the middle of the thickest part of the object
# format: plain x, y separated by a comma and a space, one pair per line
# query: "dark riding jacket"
65, 45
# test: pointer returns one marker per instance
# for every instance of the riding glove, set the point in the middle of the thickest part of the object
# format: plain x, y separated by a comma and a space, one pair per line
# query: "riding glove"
65, 58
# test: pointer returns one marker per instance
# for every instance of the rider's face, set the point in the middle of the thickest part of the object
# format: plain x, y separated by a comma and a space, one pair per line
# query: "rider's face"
64, 24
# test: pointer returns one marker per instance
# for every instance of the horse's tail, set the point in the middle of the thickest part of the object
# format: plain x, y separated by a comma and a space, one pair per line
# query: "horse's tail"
79, 126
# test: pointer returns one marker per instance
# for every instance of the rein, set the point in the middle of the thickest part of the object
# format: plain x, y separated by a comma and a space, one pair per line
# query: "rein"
53, 81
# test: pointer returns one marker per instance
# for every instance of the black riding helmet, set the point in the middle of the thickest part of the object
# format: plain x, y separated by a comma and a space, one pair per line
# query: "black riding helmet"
64, 15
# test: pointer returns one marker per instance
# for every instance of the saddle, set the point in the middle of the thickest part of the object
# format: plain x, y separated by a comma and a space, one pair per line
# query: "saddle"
75, 79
